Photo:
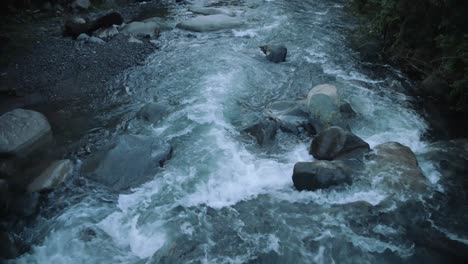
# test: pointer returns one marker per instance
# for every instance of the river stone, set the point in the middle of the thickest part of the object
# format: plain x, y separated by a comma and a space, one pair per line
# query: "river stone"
153, 112
141, 29
52, 177
399, 164
323, 103
336, 143
21, 129
129, 162
211, 11
106, 32
264, 131
210, 23
275, 53
319, 175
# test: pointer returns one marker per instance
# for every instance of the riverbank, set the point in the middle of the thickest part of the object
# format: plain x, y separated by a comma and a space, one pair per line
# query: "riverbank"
71, 82
427, 41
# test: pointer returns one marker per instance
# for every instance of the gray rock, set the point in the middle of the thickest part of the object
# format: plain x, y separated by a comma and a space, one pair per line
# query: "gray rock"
83, 37
402, 164
131, 161
21, 129
264, 132
132, 39
52, 177
141, 29
95, 40
323, 103
109, 32
210, 23
153, 112
211, 11
275, 53
319, 175
81, 4
336, 143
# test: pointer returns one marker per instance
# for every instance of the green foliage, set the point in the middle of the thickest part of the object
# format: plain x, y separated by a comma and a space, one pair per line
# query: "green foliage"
437, 28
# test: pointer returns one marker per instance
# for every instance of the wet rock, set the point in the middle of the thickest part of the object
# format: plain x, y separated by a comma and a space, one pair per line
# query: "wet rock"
88, 39
129, 162
8, 249
21, 130
336, 143
141, 29
132, 39
398, 165
52, 177
275, 53
210, 23
210, 11
103, 33
264, 132
81, 4
153, 112
323, 103
75, 26
319, 175
347, 111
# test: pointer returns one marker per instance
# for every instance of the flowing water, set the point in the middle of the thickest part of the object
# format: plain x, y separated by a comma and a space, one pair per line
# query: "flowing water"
222, 198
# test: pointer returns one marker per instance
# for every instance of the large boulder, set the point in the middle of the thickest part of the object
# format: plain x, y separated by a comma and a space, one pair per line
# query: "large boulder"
142, 29
275, 53
335, 143
129, 162
153, 112
319, 175
264, 131
210, 23
22, 130
323, 103
210, 11
52, 177
398, 164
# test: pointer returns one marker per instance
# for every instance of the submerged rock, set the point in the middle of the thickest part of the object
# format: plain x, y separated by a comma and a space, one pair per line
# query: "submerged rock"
153, 112
131, 161
323, 103
319, 175
275, 53
53, 176
21, 130
336, 143
211, 11
210, 23
264, 132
